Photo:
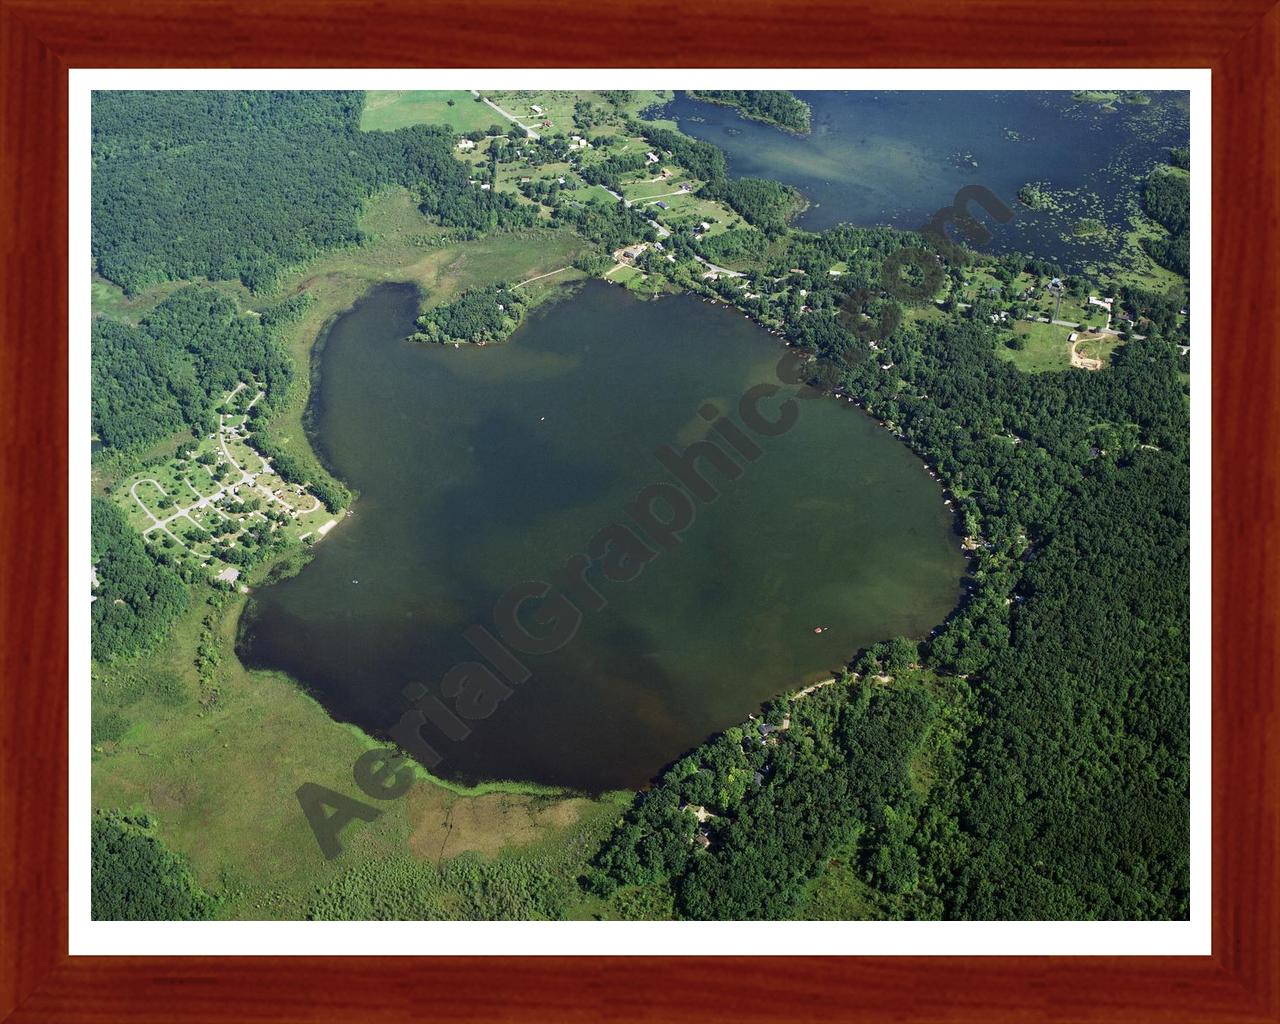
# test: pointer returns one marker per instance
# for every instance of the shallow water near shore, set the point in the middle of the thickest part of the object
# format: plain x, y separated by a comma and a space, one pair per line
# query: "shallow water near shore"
896, 158
480, 468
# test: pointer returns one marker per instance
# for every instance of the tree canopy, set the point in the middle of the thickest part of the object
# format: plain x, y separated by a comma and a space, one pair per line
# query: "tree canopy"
219, 185
773, 106
170, 372
477, 315
1063, 790
137, 878
1167, 198
136, 597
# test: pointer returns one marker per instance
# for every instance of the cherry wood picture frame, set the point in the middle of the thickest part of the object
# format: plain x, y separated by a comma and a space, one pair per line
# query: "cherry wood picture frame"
41, 39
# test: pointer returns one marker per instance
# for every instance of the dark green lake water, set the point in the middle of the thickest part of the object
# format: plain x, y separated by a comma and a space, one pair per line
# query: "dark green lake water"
891, 158
479, 468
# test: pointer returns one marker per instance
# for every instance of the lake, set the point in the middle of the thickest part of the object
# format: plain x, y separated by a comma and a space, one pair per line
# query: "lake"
896, 158
479, 468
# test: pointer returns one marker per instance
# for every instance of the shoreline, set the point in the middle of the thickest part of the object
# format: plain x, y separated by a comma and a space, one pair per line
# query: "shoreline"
557, 292
758, 118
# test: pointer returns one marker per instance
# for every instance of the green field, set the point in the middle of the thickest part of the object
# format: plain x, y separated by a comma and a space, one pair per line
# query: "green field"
386, 111
557, 106
216, 755
1047, 348
1135, 267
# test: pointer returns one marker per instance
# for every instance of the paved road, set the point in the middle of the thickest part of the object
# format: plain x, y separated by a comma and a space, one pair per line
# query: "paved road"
510, 117
719, 270
621, 199
246, 478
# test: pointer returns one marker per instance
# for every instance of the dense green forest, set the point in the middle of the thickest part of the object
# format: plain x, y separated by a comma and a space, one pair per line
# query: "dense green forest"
136, 597
241, 184
1069, 794
781, 795
170, 372
772, 106
137, 878
700, 159
1167, 199
477, 315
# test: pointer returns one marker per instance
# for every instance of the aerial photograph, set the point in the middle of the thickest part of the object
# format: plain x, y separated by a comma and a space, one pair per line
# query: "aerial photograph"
640, 505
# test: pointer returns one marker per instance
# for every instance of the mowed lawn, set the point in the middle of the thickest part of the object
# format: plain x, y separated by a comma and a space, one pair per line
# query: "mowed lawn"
1046, 349
387, 111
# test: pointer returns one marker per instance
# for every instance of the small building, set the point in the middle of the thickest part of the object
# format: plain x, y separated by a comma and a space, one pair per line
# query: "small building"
651, 158
662, 205
535, 108
466, 144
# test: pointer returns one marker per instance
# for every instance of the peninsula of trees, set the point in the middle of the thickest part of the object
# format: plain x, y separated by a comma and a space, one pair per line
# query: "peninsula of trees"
772, 106
477, 316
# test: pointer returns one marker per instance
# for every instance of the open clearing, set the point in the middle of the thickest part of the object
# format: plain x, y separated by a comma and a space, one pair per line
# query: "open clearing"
1093, 351
1046, 349
388, 110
